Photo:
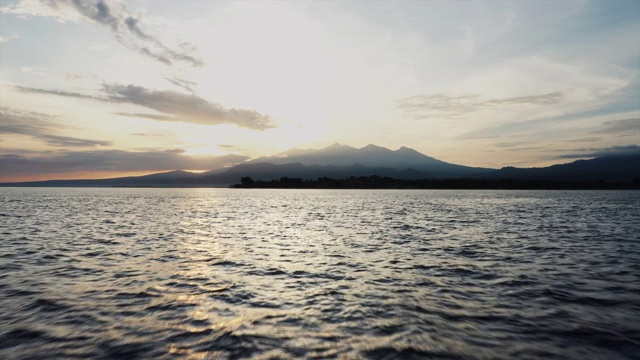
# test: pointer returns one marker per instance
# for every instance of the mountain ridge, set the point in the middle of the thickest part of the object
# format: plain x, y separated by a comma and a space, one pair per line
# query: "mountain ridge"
371, 160
373, 156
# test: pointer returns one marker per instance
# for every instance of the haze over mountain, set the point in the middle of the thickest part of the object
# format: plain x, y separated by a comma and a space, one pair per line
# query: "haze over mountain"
371, 156
341, 161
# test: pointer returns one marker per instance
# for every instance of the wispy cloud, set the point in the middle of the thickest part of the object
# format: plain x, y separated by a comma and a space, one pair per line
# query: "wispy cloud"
585, 139
538, 126
454, 105
33, 70
511, 144
145, 134
7, 38
157, 117
606, 151
62, 93
20, 163
115, 16
524, 148
186, 107
41, 127
626, 127
74, 77
173, 106
181, 83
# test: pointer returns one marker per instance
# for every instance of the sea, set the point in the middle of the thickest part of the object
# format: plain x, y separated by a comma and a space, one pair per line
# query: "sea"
115, 273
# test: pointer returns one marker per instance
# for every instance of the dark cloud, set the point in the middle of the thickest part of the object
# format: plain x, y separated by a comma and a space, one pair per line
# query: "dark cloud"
596, 152
173, 106
620, 127
586, 139
185, 107
454, 105
17, 163
128, 31
125, 27
66, 141
42, 127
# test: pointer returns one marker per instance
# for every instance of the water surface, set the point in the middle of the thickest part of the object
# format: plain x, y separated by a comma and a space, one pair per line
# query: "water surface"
221, 273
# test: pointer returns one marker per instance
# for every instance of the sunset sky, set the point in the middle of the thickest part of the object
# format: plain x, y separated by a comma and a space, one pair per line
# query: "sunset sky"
105, 88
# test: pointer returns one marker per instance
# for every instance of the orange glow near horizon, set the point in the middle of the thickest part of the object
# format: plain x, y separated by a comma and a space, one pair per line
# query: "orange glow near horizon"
81, 175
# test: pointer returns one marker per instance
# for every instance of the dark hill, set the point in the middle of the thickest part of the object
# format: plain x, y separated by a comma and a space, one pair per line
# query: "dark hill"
610, 168
604, 169
372, 156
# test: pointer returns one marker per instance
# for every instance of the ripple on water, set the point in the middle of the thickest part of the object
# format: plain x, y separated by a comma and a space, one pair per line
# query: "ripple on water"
218, 273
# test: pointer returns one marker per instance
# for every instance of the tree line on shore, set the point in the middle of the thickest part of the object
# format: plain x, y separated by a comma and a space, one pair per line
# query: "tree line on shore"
383, 182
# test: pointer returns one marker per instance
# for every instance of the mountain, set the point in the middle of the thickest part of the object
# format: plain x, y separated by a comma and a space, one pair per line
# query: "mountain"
624, 168
259, 171
177, 178
610, 168
372, 156
340, 162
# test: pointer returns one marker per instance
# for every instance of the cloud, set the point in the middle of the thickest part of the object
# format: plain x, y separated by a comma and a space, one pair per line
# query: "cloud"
41, 127
524, 148
143, 134
31, 70
185, 84
585, 139
185, 107
540, 125
62, 93
73, 77
454, 105
597, 152
511, 144
31, 163
7, 38
146, 116
230, 147
43, 8
624, 127
542, 99
125, 27
174, 106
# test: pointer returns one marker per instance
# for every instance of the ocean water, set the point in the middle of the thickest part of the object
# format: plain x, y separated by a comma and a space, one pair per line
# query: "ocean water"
231, 273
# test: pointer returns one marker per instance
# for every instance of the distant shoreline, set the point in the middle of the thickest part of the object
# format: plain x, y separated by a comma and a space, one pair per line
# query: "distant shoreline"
372, 182
570, 188
377, 182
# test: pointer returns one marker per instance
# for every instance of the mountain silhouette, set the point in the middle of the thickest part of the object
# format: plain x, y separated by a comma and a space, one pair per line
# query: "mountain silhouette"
372, 156
340, 161
607, 168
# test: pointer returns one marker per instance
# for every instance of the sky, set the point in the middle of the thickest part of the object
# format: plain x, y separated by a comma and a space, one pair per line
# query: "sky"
97, 88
